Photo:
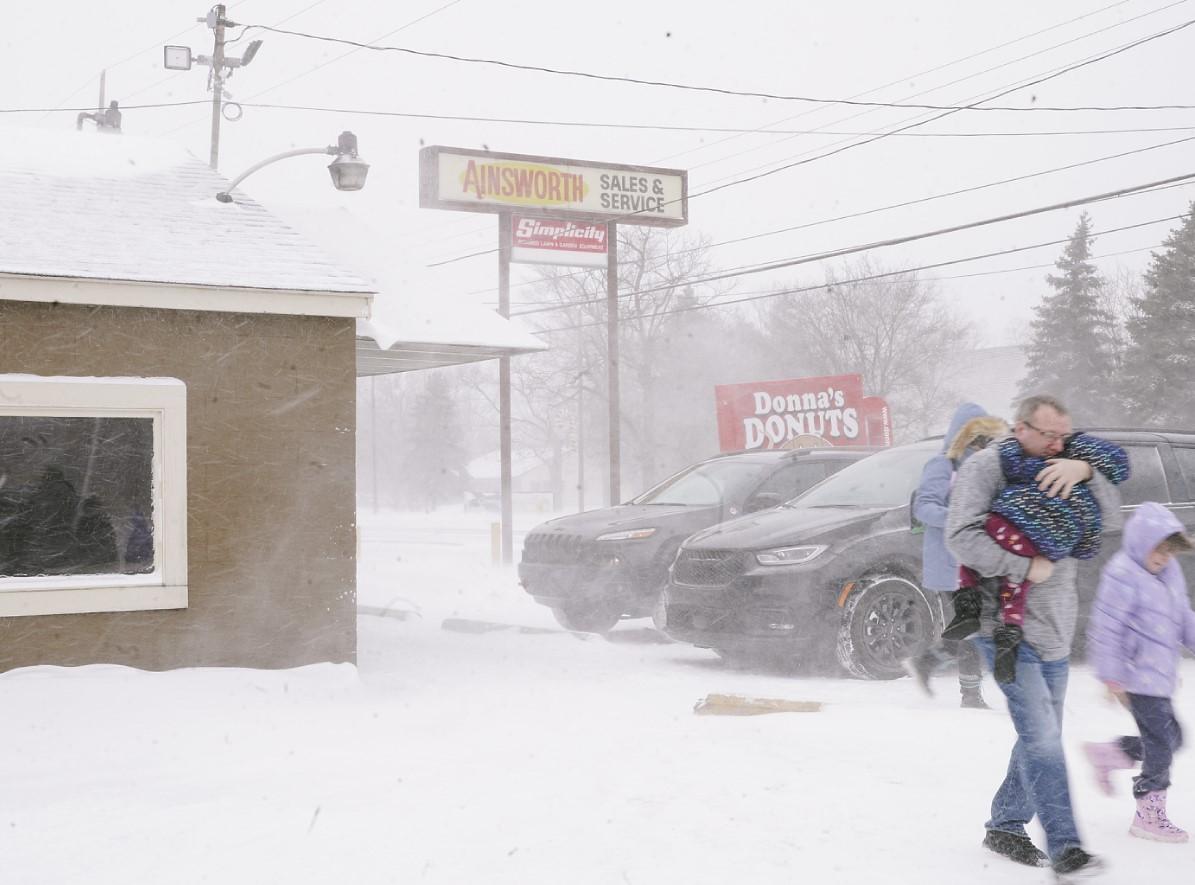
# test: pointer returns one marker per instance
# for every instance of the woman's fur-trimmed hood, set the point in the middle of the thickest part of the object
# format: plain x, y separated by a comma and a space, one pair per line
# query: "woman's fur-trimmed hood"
986, 427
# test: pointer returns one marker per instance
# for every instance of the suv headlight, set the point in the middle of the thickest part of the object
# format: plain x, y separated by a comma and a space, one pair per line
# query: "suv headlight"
790, 555
629, 535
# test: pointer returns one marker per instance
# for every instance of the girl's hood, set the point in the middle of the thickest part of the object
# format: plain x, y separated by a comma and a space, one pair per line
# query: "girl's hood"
1149, 525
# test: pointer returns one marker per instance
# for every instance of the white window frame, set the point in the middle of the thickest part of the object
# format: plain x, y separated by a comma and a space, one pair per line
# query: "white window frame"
165, 401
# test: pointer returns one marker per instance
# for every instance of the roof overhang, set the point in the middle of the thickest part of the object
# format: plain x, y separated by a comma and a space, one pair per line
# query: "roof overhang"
172, 296
371, 359
407, 356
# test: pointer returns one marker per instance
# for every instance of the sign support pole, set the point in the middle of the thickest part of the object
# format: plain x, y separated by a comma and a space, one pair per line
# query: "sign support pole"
612, 361
504, 238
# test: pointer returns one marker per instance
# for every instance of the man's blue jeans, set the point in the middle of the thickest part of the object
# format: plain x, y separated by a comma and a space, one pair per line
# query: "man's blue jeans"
1036, 782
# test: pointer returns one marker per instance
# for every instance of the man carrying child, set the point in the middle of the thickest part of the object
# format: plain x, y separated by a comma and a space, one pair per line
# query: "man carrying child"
1036, 782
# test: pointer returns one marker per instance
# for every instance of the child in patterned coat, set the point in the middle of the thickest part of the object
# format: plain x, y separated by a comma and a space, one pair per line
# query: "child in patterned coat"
1026, 521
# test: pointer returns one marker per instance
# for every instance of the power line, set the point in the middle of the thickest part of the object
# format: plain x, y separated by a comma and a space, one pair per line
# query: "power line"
657, 127
915, 95
862, 279
971, 76
401, 27
966, 276
330, 61
897, 241
126, 107
917, 123
911, 78
174, 74
1057, 73
716, 89
660, 127
157, 44
900, 205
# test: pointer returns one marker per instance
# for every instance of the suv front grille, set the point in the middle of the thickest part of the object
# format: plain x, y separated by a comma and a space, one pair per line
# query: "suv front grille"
554, 548
709, 568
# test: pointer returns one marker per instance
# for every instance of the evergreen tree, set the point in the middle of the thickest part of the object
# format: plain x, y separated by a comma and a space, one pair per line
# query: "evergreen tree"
436, 459
1071, 353
1159, 377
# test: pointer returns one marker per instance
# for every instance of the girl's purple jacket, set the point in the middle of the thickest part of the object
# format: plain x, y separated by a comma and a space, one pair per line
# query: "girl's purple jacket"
1140, 621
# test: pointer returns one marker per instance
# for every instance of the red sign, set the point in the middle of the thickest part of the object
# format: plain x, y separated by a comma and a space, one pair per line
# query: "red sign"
877, 418
547, 233
552, 241
800, 413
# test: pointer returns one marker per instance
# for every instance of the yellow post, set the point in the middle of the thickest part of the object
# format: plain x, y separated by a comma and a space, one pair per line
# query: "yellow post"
496, 542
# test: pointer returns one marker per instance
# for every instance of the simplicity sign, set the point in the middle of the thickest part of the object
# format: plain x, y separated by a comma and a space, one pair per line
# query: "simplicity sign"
483, 181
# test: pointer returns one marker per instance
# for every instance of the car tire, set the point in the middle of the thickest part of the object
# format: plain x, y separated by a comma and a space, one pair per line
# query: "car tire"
587, 617
883, 622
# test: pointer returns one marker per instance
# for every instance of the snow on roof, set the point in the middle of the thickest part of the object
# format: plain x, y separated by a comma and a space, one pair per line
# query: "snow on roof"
120, 207
407, 309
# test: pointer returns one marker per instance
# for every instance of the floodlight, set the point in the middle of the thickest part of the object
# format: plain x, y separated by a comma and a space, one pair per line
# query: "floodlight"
177, 58
250, 51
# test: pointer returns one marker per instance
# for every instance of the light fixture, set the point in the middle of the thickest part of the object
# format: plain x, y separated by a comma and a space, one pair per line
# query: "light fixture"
177, 58
348, 170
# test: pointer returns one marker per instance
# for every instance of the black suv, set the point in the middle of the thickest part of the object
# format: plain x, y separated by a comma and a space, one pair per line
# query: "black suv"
596, 567
836, 573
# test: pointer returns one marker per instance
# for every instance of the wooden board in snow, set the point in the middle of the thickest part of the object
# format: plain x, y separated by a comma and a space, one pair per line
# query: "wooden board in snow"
737, 705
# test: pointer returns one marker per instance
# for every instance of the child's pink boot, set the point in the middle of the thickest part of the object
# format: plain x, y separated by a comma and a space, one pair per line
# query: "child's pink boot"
1105, 759
1151, 822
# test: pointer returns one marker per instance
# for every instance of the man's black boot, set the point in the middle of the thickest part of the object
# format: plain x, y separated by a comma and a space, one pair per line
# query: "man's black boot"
967, 606
1007, 639
1016, 847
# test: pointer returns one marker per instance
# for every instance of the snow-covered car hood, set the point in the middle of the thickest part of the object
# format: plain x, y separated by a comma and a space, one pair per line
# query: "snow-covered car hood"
623, 516
782, 525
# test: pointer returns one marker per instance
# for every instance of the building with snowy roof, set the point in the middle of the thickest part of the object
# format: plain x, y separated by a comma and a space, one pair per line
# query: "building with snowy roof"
177, 414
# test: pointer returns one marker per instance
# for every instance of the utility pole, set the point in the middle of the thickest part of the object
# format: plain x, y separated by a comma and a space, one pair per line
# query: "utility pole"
216, 21
504, 401
580, 416
179, 58
612, 364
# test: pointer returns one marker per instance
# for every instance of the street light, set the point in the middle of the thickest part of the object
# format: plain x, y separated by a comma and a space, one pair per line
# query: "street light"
348, 170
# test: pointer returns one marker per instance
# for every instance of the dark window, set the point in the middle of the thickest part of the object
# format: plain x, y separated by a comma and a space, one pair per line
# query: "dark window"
75, 495
1186, 462
793, 479
707, 484
1147, 479
885, 479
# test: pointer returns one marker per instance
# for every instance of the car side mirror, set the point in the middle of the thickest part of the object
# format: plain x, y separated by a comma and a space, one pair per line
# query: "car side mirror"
763, 501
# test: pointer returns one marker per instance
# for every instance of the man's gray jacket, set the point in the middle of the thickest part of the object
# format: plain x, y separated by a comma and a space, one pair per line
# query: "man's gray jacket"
1051, 607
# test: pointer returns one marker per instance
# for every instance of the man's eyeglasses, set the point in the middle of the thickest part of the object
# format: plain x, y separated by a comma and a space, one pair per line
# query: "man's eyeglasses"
1050, 435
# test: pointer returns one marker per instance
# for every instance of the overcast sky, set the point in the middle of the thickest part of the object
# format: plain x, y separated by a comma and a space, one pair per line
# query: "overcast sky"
925, 51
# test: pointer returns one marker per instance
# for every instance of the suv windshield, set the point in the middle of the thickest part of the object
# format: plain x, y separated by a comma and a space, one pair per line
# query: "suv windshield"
885, 479
708, 484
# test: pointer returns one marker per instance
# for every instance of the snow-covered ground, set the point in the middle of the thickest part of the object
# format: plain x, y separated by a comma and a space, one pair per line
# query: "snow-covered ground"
523, 757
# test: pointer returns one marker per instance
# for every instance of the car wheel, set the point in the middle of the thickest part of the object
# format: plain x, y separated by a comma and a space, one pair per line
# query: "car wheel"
884, 622
588, 617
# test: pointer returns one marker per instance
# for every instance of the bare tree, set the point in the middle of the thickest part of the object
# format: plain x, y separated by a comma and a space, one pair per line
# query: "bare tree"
659, 295
894, 329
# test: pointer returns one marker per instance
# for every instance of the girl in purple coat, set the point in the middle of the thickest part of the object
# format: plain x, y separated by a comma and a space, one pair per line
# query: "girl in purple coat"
1139, 622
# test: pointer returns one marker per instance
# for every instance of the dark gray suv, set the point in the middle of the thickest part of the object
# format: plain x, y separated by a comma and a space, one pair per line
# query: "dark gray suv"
834, 574
596, 567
